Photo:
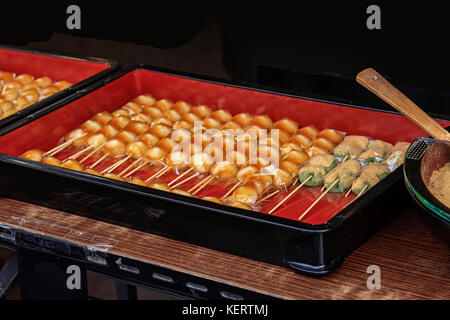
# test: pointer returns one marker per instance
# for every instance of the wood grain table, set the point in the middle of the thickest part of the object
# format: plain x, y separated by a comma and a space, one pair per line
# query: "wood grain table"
414, 263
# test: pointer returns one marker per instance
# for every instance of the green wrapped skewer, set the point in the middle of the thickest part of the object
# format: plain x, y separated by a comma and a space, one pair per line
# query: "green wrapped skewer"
341, 178
397, 157
371, 174
316, 169
351, 147
376, 152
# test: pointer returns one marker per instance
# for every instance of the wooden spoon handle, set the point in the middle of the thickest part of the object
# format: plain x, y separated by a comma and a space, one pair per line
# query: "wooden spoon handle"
374, 82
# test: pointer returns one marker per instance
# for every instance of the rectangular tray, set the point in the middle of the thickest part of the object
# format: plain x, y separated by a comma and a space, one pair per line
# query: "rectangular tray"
316, 246
79, 71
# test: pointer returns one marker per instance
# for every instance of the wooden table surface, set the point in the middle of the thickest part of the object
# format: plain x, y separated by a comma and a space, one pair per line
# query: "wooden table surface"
414, 263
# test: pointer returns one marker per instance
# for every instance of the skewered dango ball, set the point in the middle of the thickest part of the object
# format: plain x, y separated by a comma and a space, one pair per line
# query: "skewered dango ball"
224, 170
6, 76
242, 119
132, 108
221, 116
201, 112
52, 161
138, 182
160, 130
12, 85
182, 107
241, 205
10, 94
114, 147
287, 125
33, 155
178, 159
96, 140
120, 122
142, 117
282, 178
72, 165
153, 112
262, 122
145, 100
121, 112
113, 177
43, 82
6, 106
126, 137
24, 78
155, 153
32, 95
246, 194
159, 185
93, 172
164, 105
102, 117
149, 139
136, 149
202, 162
91, 126
108, 131
182, 192
62, 85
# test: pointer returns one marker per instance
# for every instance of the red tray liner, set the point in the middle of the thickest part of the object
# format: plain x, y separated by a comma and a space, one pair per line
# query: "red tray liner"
57, 68
45, 132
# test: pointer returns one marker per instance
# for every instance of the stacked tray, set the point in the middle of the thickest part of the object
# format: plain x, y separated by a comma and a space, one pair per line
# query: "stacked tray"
79, 72
315, 245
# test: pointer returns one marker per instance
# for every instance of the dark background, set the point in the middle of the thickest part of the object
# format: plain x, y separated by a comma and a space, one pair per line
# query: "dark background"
315, 49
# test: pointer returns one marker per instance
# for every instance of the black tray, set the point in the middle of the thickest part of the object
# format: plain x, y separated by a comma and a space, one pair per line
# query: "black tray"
311, 249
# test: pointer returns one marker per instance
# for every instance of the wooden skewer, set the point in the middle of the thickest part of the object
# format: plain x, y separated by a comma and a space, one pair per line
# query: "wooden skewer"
268, 197
198, 184
130, 166
211, 178
232, 189
61, 147
348, 192
181, 176
92, 153
290, 194
115, 165
99, 160
158, 173
164, 172
362, 191
76, 155
186, 180
137, 168
318, 199
258, 202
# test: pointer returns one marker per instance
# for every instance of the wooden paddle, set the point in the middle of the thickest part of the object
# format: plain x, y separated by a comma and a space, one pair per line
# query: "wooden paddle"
374, 82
